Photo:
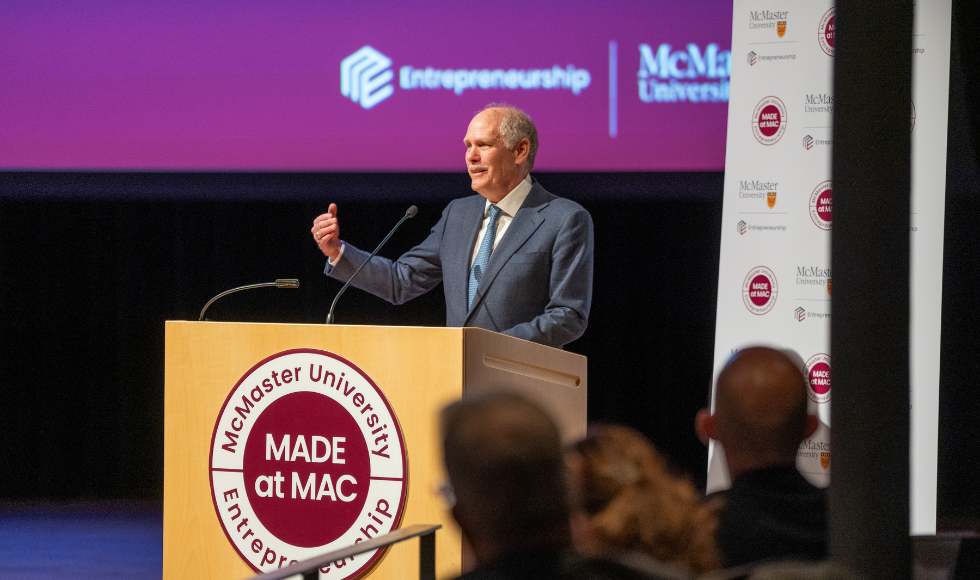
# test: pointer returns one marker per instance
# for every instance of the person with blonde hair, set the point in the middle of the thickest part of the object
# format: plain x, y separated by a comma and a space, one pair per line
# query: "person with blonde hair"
627, 506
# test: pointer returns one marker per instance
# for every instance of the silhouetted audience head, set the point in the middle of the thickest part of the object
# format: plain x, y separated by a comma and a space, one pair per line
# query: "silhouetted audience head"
771, 512
625, 501
760, 414
505, 464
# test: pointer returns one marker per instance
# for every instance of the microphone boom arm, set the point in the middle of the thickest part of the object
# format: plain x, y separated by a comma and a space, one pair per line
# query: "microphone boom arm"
279, 283
408, 214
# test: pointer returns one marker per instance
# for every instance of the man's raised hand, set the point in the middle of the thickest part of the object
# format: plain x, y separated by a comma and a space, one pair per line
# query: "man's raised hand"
326, 232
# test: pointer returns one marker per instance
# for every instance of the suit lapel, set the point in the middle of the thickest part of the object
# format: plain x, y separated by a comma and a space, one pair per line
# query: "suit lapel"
527, 220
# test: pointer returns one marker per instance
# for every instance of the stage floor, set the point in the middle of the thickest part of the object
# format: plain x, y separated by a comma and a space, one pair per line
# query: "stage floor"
87, 540
109, 540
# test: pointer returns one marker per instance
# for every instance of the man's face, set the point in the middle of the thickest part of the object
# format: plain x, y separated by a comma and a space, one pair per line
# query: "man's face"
494, 170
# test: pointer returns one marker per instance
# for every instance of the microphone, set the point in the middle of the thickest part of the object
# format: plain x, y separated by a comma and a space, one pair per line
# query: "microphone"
409, 213
279, 283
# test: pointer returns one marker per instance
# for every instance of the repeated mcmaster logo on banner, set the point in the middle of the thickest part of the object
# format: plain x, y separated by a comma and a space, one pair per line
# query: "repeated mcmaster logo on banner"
307, 457
775, 275
347, 86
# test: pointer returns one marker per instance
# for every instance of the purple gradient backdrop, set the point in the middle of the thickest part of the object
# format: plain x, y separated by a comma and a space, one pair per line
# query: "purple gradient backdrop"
237, 85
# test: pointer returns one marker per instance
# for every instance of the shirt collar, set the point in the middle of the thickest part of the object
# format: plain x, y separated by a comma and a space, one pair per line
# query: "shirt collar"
513, 200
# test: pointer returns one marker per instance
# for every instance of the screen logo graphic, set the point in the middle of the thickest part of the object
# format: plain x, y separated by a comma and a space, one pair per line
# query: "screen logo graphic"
742, 227
781, 28
771, 199
769, 120
461, 80
673, 76
825, 32
817, 374
365, 77
307, 456
759, 290
800, 314
751, 58
808, 142
821, 205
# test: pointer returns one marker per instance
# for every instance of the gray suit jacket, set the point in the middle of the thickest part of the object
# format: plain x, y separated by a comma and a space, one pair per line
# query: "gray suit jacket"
538, 284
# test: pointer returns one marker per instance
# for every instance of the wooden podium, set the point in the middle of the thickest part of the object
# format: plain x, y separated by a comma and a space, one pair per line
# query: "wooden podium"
419, 370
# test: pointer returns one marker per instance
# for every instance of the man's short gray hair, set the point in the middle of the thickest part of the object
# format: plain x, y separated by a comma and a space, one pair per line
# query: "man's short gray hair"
515, 125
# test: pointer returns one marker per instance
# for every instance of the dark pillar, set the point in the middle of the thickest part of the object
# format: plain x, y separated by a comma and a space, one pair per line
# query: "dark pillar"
869, 491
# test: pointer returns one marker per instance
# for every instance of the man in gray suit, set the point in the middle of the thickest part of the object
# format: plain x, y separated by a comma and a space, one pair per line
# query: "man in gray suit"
514, 259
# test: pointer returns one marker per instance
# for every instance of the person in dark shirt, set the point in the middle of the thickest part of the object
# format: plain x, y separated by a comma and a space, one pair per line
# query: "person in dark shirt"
506, 472
760, 418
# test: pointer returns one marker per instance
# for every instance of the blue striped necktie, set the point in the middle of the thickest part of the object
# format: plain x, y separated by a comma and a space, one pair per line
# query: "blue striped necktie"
483, 255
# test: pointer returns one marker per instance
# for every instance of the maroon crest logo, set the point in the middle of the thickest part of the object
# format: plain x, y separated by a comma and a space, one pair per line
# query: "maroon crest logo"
821, 205
817, 373
825, 32
769, 120
307, 456
759, 290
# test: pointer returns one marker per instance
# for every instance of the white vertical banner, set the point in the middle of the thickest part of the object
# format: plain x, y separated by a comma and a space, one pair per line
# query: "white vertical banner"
930, 118
775, 275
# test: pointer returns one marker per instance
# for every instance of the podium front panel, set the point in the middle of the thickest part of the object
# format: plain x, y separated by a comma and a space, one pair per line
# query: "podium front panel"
418, 369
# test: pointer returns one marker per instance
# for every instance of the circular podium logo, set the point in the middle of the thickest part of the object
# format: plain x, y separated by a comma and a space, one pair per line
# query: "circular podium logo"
307, 456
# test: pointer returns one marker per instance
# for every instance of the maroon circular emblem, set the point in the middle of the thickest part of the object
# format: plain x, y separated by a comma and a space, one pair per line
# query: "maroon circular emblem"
818, 378
759, 290
312, 436
825, 32
821, 205
769, 120
762, 292
307, 456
